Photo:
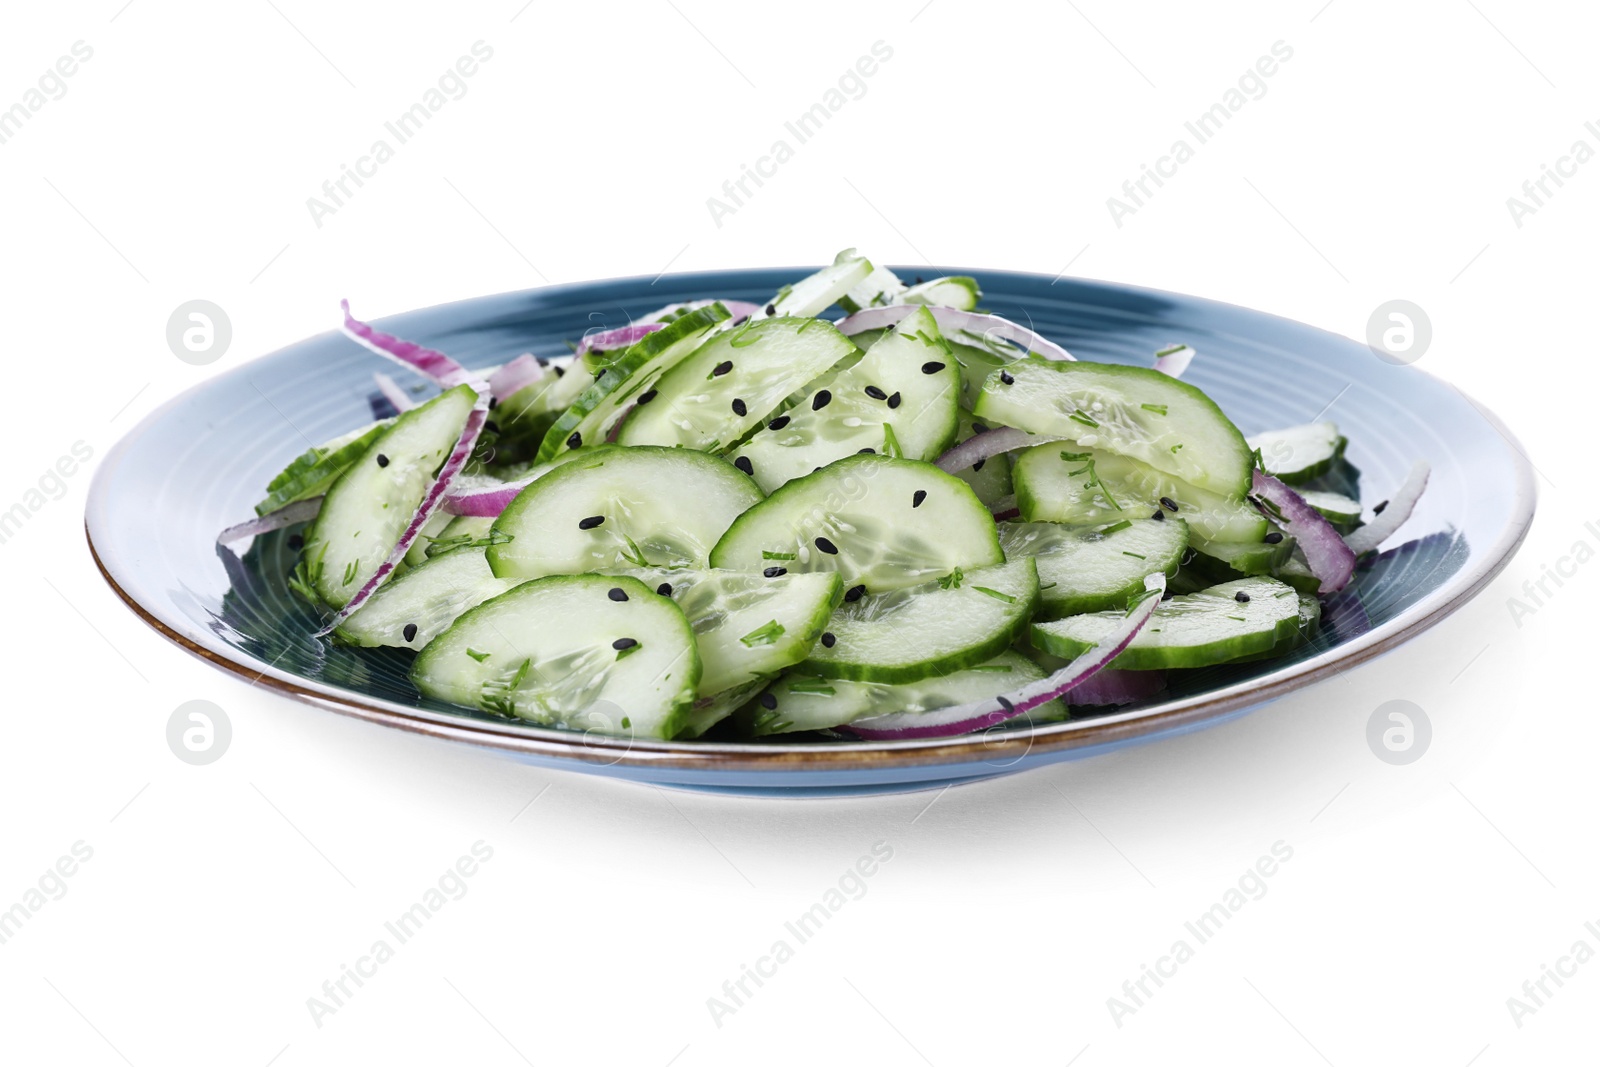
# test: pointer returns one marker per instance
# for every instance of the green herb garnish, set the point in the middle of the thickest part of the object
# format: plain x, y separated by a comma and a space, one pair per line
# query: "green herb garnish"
997, 594
763, 635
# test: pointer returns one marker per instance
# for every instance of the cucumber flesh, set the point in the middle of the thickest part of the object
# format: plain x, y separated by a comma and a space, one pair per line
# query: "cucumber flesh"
371, 504
418, 606
747, 626
462, 531
732, 383
1095, 568
957, 292
1298, 454
1061, 482
315, 469
890, 523
710, 710
881, 286
1309, 621
887, 402
816, 293
1136, 412
633, 372
1191, 630
1296, 572
909, 634
800, 701
1335, 507
547, 651
620, 507
1225, 560
990, 479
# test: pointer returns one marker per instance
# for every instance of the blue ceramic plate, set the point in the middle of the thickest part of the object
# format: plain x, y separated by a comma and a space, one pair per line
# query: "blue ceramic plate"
200, 462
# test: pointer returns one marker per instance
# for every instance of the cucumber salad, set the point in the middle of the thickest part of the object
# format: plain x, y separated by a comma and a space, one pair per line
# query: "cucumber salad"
744, 520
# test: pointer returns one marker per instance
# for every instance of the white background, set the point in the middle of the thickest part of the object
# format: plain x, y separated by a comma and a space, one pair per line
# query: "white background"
220, 898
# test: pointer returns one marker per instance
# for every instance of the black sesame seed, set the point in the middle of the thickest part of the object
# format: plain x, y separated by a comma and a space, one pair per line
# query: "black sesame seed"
1377, 509
560, 371
738, 407
1242, 597
1159, 515
772, 309
743, 463
1167, 503
617, 594
894, 400
828, 640
932, 367
820, 400
296, 542
774, 572
856, 592
740, 321
646, 396
591, 522
875, 393
1004, 703
410, 631
576, 440
664, 589
494, 402
383, 460
825, 545
778, 423
769, 701
863, 451
1273, 538
622, 644
722, 368
978, 466
1006, 379
491, 426
979, 427
918, 497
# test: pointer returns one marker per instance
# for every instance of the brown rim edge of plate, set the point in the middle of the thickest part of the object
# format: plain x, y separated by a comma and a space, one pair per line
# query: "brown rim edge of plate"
778, 757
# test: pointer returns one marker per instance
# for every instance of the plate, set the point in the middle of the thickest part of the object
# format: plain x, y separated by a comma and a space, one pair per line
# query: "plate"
199, 463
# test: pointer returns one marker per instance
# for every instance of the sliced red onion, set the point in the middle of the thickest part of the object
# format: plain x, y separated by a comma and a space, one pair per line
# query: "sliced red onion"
986, 445
1329, 558
485, 501
1394, 514
965, 718
513, 376
621, 337
1175, 360
1112, 686
1007, 513
397, 397
950, 321
288, 515
431, 500
436, 366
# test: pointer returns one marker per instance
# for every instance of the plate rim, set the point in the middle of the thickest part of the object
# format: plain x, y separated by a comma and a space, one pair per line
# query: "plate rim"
601, 752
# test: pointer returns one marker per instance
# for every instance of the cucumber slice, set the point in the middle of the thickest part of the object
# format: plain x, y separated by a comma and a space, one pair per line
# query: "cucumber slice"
421, 604
417, 554
462, 531
1296, 572
881, 286
747, 626
642, 507
633, 373
887, 402
589, 651
729, 385
1223, 561
800, 701
369, 507
315, 469
1066, 483
526, 415
978, 358
881, 523
1093, 568
1335, 507
708, 711
816, 293
1310, 619
1192, 630
1298, 454
1137, 412
957, 292
943, 626
989, 478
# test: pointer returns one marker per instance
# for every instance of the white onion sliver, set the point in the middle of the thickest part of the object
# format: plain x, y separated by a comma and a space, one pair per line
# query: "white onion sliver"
965, 718
985, 445
1175, 362
516, 375
1329, 558
288, 515
1394, 514
951, 320
397, 397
